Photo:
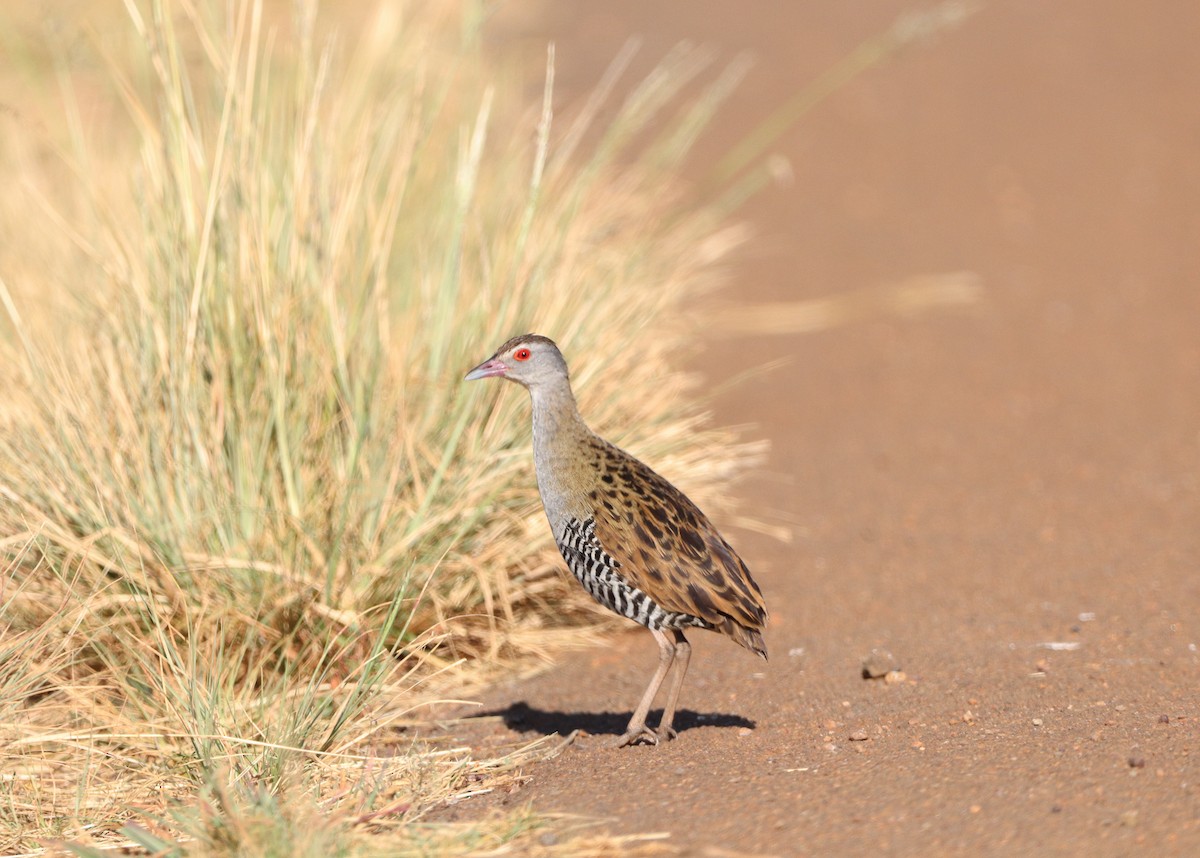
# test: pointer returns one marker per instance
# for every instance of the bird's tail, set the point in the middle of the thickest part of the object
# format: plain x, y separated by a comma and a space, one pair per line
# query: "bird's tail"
751, 639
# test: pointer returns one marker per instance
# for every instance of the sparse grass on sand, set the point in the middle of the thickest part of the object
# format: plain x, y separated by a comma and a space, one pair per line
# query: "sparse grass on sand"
252, 526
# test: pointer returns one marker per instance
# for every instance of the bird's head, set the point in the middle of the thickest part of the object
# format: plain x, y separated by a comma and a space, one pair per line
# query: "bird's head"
530, 359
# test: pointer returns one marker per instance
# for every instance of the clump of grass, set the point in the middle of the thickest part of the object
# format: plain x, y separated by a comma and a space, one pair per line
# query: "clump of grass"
251, 523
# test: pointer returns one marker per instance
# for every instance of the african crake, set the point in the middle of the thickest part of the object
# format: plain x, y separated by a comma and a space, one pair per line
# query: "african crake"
634, 541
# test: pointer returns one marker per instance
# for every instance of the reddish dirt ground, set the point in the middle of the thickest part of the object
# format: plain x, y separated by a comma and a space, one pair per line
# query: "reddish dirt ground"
966, 487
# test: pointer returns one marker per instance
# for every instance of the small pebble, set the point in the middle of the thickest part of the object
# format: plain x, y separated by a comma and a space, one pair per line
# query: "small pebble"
859, 736
878, 664
1137, 762
745, 731
1129, 818
1037, 722
1164, 719
895, 677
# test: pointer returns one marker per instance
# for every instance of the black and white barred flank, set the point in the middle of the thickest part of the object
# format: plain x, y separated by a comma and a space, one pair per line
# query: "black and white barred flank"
596, 570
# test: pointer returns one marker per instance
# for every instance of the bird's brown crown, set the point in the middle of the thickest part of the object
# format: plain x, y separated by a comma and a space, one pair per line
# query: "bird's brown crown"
524, 340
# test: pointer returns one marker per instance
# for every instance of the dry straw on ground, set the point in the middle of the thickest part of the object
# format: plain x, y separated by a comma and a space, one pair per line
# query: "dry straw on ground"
253, 527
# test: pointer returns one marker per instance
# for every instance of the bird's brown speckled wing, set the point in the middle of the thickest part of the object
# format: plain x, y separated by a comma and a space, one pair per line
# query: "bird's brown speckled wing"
667, 548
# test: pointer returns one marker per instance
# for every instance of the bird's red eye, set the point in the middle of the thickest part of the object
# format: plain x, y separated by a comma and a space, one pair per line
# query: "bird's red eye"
521, 354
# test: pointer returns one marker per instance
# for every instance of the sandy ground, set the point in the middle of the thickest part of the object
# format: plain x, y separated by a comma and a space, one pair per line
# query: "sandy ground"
1006, 499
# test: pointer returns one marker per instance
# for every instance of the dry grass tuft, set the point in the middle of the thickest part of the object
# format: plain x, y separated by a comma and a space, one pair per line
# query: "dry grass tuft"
253, 529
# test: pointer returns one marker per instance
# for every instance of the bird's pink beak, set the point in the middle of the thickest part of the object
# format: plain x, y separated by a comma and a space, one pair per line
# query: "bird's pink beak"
490, 368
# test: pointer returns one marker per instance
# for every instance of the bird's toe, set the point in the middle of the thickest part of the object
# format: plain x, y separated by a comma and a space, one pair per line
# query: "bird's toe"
638, 736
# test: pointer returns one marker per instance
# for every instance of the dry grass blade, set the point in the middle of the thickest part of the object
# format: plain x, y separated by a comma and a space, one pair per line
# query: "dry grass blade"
913, 296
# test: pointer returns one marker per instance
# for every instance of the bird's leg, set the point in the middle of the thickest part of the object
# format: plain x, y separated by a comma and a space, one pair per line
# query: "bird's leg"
683, 653
637, 731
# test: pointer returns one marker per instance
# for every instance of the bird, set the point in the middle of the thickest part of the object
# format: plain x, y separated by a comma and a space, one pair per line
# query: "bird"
636, 543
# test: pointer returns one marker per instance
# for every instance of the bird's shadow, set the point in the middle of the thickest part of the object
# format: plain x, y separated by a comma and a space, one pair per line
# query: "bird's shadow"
523, 718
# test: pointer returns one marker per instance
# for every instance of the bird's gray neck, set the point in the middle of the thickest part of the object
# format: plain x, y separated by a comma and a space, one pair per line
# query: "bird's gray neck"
555, 415
559, 438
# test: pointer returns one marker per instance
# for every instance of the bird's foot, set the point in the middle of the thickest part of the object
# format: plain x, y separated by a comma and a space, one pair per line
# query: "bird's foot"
637, 736
666, 734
